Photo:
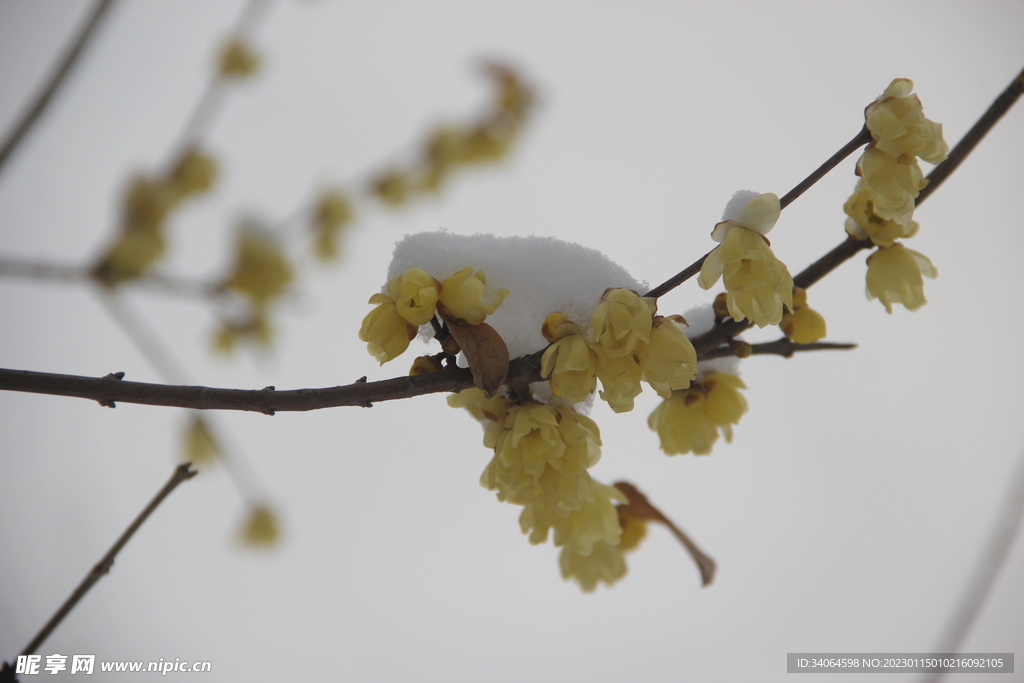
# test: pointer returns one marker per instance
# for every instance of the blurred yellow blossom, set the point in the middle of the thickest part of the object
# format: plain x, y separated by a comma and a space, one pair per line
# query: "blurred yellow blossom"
463, 294
863, 223
194, 173
895, 276
386, 332
897, 123
757, 283
200, 446
668, 360
415, 294
333, 212
261, 270
261, 528
237, 59
622, 321
604, 563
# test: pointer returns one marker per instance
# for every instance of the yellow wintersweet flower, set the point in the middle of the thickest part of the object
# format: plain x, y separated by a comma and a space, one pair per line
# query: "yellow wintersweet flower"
463, 295
804, 325
386, 332
237, 59
895, 276
582, 440
682, 424
725, 404
482, 408
572, 366
620, 380
423, 365
193, 173
415, 295
261, 270
896, 182
604, 563
669, 360
261, 528
897, 123
594, 521
757, 283
622, 321
333, 212
531, 437
863, 223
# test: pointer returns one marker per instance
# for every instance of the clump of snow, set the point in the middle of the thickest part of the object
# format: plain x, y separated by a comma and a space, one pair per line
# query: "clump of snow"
737, 203
542, 274
701, 320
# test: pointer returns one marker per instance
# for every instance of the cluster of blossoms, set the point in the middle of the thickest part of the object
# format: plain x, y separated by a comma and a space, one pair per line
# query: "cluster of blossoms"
882, 206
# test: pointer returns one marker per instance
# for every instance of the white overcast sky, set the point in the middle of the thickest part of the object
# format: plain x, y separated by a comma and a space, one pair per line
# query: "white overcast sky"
849, 512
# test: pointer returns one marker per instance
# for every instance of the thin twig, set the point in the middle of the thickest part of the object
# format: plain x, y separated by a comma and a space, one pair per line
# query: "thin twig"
181, 473
155, 282
57, 79
784, 347
862, 138
993, 556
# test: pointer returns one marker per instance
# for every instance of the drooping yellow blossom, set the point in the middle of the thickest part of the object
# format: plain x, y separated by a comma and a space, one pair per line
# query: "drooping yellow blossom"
620, 380
896, 181
532, 438
863, 223
463, 295
897, 123
333, 212
261, 270
803, 324
415, 294
570, 361
261, 528
237, 59
482, 408
596, 520
689, 421
622, 321
725, 404
668, 360
757, 283
604, 563
682, 424
895, 276
386, 333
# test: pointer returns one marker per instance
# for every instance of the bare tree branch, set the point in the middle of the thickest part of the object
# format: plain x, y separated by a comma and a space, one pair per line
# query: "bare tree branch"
60, 74
181, 473
784, 347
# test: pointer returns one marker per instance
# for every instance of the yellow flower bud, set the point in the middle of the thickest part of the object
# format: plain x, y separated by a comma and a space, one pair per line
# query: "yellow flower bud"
895, 276
261, 529
423, 365
620, 379
237, 59
415, 294
622, 321
804, 325
386, 332
758, 284
897, 123
463, 294
669, 360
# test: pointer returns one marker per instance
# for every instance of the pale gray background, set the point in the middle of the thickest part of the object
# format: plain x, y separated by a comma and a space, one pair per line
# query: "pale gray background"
848, 513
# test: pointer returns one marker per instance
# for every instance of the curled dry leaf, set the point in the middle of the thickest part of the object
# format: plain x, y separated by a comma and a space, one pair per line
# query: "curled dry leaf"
485, 352
639, 506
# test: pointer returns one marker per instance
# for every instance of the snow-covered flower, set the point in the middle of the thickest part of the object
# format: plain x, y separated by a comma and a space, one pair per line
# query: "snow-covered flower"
897, 123
386, 333
463, 295
757, 283
668, 360
415, 295
803, 324
863, 223
895, 276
